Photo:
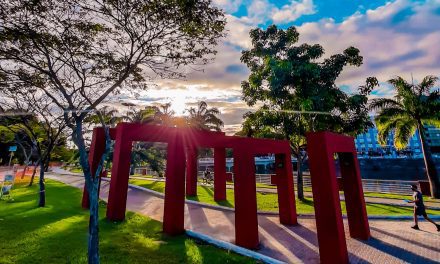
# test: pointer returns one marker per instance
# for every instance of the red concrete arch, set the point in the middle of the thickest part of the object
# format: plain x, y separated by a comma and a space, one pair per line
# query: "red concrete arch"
181, 160
182, 166
321, 147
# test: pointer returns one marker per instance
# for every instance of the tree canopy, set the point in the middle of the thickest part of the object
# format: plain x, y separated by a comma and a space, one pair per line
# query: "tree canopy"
295, 91
79, 52
204, 117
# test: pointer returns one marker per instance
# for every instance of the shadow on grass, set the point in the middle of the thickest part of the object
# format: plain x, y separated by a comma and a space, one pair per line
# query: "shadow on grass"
58, 234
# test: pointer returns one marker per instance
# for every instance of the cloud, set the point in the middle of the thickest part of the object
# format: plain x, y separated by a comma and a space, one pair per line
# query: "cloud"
262, 11
230, 6
389, 46
293, 11
398, 38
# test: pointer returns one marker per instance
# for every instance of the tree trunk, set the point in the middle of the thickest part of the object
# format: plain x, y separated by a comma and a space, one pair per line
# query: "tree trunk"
92, 188
33, 174
42, 201
431, 169
24, 170
93, 245
299, 179
46, 165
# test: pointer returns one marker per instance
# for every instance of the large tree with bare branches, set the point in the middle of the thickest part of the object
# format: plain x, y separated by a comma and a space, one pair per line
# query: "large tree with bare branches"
78, 52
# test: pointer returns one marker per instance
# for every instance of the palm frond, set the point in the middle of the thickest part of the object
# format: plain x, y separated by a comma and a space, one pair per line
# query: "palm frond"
384, 128
403, 88
405, 129
382, 103
391, 112
433, 122
427, 83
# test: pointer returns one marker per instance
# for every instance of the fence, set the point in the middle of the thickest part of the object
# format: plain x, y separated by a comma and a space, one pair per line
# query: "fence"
382, 186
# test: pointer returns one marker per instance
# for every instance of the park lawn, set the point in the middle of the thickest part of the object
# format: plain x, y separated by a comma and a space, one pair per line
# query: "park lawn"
57, 233
143, 176
269, 201
76, 170
399, 196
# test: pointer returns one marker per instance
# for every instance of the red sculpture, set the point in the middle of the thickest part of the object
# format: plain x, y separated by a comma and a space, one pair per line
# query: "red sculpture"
182, 166
321, 148
182, 159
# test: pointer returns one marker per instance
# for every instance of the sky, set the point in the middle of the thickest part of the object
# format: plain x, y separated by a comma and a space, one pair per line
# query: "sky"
395, 38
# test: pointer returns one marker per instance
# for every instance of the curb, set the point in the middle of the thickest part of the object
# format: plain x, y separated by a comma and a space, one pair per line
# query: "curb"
231, 247
403, 217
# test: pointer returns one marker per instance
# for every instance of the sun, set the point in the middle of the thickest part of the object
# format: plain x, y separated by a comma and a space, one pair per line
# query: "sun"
178, 105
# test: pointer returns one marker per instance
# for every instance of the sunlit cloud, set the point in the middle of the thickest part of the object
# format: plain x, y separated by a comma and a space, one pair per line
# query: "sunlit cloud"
395, 38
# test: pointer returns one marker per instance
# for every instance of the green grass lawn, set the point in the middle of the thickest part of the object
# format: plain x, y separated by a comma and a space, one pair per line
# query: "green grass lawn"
399, 196
58, 234
76, 170
269, 201
366, 194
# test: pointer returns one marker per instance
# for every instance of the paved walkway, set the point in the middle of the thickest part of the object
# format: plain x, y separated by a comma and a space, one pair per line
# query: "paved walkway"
392, 242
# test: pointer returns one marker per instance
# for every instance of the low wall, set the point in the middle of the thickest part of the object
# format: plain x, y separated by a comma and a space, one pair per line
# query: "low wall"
394, 169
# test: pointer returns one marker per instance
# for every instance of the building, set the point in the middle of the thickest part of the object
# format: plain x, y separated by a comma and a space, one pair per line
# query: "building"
367, 144
433, 138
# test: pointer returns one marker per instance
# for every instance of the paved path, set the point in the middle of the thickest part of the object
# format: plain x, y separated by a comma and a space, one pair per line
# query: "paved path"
392, 242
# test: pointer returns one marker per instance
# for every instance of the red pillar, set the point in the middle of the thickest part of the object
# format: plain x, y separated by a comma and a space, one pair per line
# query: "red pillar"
286, 192
354, 196
191, 171
97, 148
173, 217
329, 225
219, 174
246, 220
117, 197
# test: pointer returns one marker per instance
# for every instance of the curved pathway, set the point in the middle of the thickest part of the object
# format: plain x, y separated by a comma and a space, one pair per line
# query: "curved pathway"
391, 242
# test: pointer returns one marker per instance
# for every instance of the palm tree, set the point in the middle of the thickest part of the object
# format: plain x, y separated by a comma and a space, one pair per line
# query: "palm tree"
144, 116
109, 115
162, 115
204, 117
165, 115
147, 152
411, 108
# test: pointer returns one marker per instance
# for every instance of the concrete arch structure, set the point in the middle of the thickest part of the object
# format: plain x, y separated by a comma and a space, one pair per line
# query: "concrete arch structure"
181, 179
181, 167
321, 147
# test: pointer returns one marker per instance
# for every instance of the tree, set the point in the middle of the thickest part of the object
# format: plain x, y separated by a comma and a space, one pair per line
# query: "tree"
297, 93
78, 52
34, 116
204, 118
412, 107
147, 152
20, 138
145, 115
109, 115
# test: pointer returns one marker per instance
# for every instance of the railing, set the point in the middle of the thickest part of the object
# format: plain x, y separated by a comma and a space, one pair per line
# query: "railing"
382, 186
387, 186
369, 185
263, 178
